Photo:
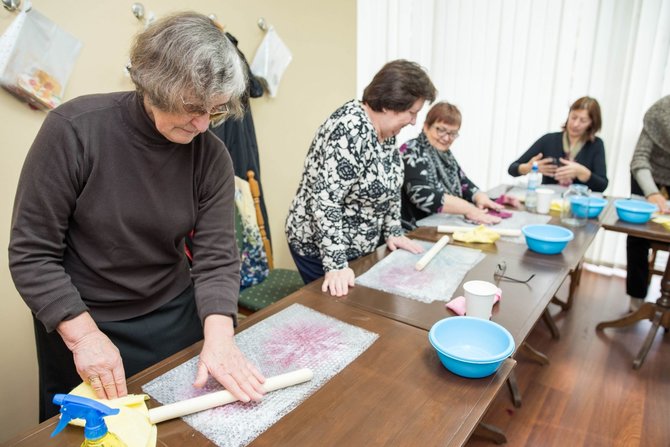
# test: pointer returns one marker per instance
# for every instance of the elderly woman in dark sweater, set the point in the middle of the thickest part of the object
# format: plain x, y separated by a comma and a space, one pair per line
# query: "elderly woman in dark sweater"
574, 155
434, 182
110, 188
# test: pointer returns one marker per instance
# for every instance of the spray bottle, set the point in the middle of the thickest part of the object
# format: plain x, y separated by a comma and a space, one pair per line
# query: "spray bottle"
95, 431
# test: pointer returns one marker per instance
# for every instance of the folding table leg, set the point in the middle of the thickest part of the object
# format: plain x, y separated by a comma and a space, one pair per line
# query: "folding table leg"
551, 324
534, 354
491, 433
513, 386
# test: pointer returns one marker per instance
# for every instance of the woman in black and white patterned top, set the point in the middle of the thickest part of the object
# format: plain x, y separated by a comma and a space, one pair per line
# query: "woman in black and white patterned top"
348, 201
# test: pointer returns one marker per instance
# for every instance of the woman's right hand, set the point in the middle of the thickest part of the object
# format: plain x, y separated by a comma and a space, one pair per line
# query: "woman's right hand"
337, 282
546, 166
481, 216
660, 201
97, 359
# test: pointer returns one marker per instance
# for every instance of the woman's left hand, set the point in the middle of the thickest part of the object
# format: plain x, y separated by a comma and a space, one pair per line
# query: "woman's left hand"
395, 242
221, 358
571, 170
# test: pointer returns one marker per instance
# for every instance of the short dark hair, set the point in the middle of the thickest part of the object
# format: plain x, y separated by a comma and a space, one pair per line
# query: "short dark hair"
593, 108
397, 86
443, 112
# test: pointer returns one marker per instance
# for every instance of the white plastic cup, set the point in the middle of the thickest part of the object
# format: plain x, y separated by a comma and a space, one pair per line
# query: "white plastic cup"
544, 196
479, 298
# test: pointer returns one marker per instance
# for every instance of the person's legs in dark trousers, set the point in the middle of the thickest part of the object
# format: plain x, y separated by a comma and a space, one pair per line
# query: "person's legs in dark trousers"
56, 371
142, 342
309, 267
637, 261
637, 266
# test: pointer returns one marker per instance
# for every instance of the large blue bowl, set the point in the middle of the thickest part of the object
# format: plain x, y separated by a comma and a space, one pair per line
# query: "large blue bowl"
634, 211
588, 207
471, 347
547, 239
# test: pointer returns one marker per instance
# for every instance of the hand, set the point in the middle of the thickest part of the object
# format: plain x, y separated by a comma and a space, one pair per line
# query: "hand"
221, 358
395, 242
337, 282
660, 201
97, 360
545, 166
571, 170
481, 217
484, 202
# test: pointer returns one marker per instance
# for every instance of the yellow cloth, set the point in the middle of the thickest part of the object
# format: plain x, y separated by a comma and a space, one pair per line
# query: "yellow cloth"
478, 234
663, 220
556, 205
131, 425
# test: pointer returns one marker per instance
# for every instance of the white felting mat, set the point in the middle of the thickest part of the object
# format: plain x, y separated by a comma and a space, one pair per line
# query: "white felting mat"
436, 282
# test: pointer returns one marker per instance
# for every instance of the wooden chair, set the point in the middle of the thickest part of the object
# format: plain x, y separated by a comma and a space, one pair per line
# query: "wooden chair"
655, 247
280, 282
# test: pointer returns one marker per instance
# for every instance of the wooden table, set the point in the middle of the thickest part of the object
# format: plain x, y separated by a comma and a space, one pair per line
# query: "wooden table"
522, 304
571, 256
518, 311
396, 393
658, 312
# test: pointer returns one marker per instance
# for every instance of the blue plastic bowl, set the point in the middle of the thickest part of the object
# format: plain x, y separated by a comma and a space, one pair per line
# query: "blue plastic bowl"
588, 207
547, 239
634, 211
471, 347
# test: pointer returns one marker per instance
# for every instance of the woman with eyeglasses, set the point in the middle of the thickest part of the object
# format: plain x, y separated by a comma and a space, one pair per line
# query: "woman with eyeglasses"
434, 182
348, 201
574, 155
109, 189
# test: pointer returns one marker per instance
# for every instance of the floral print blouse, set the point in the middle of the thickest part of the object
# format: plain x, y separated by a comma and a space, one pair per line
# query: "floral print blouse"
429, 175
348, 201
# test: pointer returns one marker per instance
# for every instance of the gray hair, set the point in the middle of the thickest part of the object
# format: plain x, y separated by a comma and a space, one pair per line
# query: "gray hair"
187, 55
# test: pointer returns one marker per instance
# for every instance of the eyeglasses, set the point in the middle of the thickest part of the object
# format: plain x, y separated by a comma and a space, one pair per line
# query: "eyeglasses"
444, 132
215, 114
501, 269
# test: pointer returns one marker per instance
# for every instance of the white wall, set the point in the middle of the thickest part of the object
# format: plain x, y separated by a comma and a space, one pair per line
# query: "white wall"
321, 77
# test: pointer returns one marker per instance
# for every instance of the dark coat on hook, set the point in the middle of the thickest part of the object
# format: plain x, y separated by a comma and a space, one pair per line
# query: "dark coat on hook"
240, 136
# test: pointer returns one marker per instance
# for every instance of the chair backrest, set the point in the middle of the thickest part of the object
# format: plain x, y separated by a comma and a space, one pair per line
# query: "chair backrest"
256, 194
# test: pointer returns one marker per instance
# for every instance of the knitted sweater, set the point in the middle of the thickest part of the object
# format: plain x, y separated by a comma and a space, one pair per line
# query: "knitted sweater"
102, 207
650, 164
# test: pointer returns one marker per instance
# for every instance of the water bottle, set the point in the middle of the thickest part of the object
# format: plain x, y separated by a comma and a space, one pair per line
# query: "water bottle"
580, 194
534, 179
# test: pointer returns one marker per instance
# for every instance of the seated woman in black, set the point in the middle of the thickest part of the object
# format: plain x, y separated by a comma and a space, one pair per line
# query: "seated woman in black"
574, 155
434, 182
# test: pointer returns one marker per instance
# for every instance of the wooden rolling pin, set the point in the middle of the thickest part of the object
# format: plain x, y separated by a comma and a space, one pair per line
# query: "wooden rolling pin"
454, 228
435, 249
207, 401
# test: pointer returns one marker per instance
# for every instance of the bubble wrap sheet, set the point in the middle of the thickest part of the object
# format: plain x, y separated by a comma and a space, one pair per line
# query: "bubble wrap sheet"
518, 220
296, 337
436, 282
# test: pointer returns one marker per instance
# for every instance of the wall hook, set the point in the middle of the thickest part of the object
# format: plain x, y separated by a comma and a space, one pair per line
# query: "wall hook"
11, 5
262, 24
138, 10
